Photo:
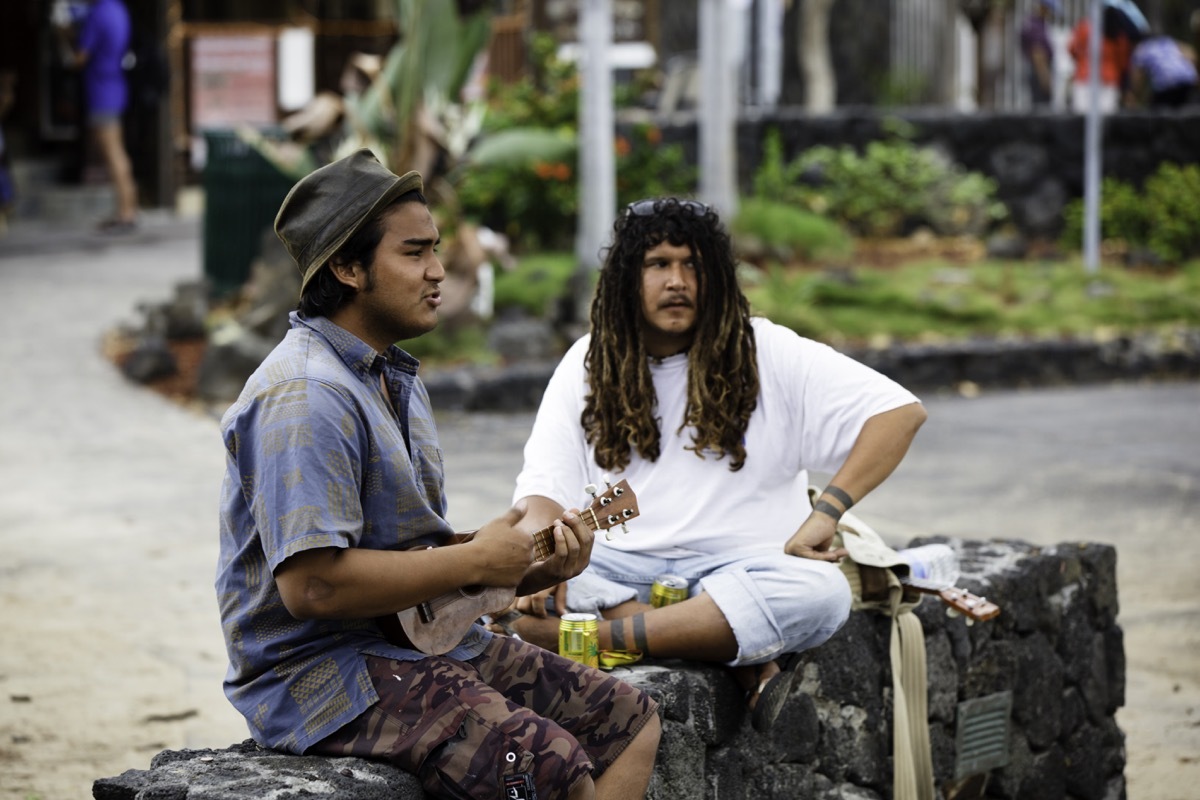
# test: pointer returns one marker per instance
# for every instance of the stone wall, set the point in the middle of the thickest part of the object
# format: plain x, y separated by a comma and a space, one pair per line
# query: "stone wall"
1035, 158
1056, 647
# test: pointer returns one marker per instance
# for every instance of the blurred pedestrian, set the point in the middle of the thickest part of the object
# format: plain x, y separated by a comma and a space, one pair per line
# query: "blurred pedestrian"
1116, 49
1038, 51
99, 50
1161, 74
8, 92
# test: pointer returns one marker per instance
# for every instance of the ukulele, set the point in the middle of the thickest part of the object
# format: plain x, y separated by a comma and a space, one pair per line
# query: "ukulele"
436, 626
958, 601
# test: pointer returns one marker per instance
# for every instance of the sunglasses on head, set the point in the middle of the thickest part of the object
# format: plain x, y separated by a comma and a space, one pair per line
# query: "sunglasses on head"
650, 206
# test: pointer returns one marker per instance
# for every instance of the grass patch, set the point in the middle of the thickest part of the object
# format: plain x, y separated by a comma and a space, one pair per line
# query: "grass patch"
923, 300
934, 300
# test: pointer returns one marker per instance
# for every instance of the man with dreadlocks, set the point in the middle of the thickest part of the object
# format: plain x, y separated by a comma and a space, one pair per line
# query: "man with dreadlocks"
714, 418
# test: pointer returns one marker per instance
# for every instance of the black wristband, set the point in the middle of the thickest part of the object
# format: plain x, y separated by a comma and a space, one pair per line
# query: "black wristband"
828, 508
839, 495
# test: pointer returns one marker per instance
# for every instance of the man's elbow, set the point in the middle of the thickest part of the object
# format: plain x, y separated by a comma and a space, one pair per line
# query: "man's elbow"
308, 598
305, 593
917, 416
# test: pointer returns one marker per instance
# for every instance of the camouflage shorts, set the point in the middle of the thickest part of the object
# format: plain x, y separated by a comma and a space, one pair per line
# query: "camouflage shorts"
516, 721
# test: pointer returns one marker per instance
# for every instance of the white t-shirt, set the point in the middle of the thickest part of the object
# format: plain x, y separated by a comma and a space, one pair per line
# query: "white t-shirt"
812, 406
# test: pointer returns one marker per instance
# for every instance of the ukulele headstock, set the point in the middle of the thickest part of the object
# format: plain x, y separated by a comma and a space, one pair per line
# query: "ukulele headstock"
616, 505
971, 606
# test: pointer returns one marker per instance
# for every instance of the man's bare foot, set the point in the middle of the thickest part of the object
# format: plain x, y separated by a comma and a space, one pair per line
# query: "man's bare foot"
542, 631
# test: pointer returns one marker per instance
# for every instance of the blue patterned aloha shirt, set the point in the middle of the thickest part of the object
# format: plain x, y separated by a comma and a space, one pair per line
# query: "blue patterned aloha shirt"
316, 456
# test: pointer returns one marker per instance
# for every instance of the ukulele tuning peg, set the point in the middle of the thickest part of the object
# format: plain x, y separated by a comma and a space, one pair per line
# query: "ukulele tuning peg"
624, 529
591, 489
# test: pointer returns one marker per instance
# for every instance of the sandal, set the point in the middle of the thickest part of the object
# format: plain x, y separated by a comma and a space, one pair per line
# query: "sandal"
773, 692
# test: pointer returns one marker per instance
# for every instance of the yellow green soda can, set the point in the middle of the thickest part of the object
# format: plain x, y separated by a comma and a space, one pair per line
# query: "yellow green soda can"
579, 638
668, 590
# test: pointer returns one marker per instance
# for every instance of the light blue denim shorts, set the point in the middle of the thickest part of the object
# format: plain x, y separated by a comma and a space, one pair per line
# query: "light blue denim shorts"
775, 603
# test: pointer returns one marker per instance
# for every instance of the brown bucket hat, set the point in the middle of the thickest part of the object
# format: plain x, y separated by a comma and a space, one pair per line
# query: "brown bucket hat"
329, 205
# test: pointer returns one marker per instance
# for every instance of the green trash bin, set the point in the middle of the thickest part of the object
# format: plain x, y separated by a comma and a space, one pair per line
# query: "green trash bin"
242, 193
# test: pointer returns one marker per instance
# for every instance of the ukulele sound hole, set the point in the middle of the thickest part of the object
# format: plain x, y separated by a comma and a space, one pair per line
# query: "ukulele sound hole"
472, 591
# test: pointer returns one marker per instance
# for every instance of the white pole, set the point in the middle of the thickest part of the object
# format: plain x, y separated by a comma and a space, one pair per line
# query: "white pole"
1091, 148
770, 52
718, 109
597, 163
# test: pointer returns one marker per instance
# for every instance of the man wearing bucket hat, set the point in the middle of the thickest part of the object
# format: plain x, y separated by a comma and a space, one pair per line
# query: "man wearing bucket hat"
714, 418
333, 521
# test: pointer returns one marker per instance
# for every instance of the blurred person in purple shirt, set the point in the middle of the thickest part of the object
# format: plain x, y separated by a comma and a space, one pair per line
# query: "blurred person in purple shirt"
1162, 74
1039, 51
99, 50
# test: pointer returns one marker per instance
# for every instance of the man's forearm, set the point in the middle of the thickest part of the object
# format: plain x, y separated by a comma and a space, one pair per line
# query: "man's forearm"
353, 583
880, 447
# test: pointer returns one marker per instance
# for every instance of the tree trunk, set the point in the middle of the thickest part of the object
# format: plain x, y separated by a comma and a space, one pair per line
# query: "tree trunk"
947, 78
816, 62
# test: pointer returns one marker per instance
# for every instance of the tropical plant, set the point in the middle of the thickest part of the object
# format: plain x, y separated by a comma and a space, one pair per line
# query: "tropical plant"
520, 175
411, 115
419, 88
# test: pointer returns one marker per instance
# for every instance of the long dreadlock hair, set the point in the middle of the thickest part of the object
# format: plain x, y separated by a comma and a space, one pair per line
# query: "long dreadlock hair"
619, 413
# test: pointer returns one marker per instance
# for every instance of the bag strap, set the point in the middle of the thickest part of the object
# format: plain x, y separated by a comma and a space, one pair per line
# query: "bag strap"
912, 760
879, 589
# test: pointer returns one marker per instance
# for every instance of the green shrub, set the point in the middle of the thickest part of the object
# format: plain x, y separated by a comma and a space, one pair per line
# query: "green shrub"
532, 200
537, 281
889, 189
1173, 206
547, 97
648, 168
449, 345
776, 179
783, 227
1123, 215
1164, 216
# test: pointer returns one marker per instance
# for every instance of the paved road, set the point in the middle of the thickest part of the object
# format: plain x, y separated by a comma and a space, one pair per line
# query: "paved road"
111, 648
